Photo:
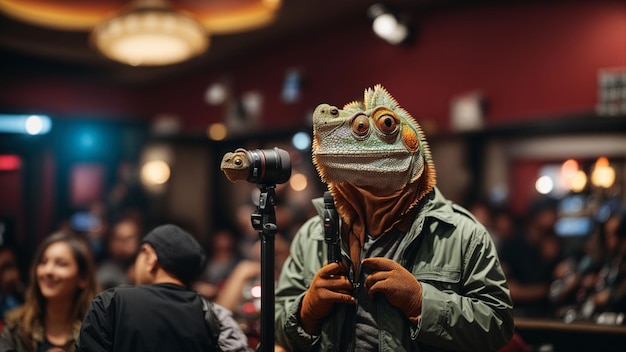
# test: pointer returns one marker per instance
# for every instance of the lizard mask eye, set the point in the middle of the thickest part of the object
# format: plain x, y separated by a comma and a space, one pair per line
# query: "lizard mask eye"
238, 161
360, 125
386, 121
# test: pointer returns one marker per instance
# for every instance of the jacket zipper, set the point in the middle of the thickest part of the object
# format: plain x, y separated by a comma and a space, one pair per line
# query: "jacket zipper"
356, 285
352, 341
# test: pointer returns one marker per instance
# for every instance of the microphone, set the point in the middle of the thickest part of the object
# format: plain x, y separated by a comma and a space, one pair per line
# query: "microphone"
331, 229
261, 166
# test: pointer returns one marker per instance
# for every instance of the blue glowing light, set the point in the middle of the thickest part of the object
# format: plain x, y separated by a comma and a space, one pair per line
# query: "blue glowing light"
301, 141
25, 124
86, 140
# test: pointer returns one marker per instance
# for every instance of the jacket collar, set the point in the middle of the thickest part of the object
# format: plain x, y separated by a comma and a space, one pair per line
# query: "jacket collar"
434, 205
438, 207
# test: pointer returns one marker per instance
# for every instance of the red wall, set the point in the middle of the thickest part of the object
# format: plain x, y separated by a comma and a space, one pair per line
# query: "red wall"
523, 182
11, 204
529, 60
69, 97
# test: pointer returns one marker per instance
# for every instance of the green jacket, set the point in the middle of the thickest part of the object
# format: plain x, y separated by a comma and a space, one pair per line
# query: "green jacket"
466, 304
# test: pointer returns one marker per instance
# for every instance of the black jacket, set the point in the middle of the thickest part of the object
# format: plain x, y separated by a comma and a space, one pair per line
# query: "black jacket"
159, 317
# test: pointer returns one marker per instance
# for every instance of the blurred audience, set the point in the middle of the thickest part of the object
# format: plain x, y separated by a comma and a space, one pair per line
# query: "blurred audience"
610, 286
503, 226
122, 244
60, 289
222, 259
529, 259
499, 221
593, 286
482, 211
589, 284
241, 292
247, 234
93, 224
11, 283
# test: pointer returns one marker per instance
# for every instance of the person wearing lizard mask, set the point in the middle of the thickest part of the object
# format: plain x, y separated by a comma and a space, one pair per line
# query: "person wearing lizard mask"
418, 273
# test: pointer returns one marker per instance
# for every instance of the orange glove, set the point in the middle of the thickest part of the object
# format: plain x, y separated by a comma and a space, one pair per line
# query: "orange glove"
397, 284
329, 286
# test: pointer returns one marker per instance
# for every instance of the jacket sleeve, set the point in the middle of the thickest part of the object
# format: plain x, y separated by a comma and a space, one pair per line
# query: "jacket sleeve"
478, 316
295, 279
7, 339
96, 330
231, 336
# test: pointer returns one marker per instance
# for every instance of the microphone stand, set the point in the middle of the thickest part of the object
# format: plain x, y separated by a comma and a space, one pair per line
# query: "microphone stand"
264, 221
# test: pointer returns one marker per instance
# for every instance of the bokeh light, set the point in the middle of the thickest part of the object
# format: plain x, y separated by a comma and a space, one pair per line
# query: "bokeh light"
301, 141
544, 184
155, 172
578, 181
298, 182
217, 131
603, 175
26, 124
34, 125
569, 168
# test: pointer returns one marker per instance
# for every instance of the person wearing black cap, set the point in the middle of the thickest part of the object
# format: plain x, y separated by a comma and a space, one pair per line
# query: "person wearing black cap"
161, 313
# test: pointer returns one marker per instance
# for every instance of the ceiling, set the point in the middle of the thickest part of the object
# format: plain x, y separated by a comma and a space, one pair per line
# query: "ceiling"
31, 49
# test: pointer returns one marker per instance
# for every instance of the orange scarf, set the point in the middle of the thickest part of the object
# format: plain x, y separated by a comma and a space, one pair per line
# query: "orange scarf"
367, 211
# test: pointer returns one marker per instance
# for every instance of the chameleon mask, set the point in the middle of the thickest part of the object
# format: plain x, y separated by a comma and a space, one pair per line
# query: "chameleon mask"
376, 162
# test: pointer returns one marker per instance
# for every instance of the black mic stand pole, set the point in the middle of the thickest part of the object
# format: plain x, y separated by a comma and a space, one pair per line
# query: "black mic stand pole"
264, 221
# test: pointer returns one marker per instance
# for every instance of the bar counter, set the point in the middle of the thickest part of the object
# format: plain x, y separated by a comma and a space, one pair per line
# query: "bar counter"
575, 336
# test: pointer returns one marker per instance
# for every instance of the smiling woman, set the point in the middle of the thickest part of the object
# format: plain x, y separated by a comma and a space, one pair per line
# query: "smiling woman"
61, 286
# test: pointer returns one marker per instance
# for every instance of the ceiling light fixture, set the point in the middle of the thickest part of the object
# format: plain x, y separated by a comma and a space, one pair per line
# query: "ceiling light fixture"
150, 33
147, 32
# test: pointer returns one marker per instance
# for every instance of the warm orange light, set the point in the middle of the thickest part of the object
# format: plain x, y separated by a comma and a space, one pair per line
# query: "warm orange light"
569, 168
73, 16
147, 32
603, 174
217, 131
217, 16
150, 36
155, 172
298, 182
578, 181
602, 162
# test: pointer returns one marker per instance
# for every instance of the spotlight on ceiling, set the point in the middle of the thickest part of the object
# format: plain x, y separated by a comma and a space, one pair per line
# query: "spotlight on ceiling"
150, 33
394, 28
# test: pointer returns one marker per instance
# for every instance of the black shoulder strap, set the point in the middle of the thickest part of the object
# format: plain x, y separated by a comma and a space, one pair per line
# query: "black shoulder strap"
212, 322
